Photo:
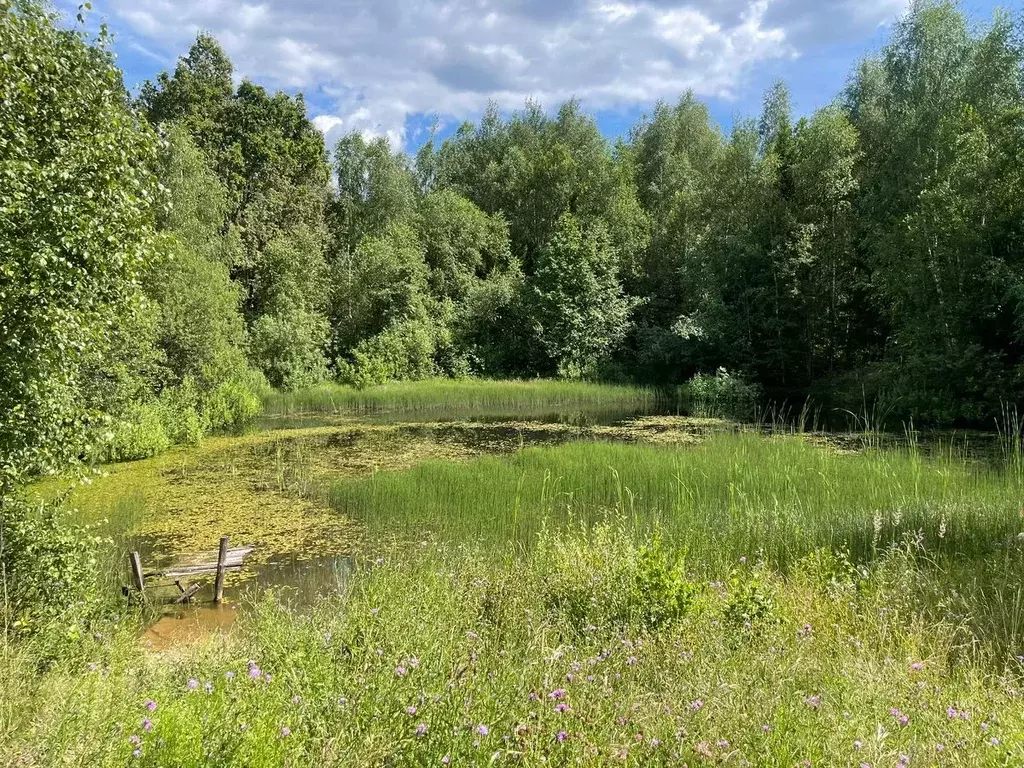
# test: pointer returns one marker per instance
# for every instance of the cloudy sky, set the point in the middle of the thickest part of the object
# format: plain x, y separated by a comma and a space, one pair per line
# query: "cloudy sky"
393, 67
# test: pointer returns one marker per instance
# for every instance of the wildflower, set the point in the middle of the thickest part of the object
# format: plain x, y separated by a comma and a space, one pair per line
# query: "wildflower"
983, 726
994, 741
631, 661
193, 684
805, 631
136, 753
411, 710
446, 760
901, 718
857, 744
150, 705
813, 701
421, 729
561, 736
722, 744
696, 704
374, 611
482, 729
939, 748
296, 699
400, 671
93, 666
533, 696
562, 707
413, 662
743, 560
254, 672
208, 687
917, 666
286, 732
472, 635
766, 728
267, 677
558, 693
952, 713
229, 675
243, 727
147, 724
133, 739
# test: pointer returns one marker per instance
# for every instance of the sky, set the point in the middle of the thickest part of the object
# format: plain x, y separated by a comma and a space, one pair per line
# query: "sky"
398, 67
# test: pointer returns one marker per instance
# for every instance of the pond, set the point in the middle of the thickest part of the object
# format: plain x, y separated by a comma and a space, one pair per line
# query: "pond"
312, 494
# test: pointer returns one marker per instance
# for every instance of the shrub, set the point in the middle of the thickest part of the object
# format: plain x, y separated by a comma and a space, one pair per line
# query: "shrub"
602, 578
721, 396
231, 405
138, 434
50, 565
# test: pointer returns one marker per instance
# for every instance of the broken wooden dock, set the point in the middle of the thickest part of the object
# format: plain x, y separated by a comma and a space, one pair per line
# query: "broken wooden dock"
217, 562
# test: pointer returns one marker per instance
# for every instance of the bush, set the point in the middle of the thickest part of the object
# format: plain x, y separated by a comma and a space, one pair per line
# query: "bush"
288, 348
231, 405
403, 351
602, 578
180, 414
721, 396
51, 569
138, 434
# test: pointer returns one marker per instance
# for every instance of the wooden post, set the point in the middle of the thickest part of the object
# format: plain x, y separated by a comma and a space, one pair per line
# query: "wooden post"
222, 558
137, 572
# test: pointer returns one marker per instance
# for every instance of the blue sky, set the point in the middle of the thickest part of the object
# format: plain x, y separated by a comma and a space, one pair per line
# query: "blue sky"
391, 67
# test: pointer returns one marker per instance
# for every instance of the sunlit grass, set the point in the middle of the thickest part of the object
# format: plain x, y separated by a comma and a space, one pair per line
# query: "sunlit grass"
732, 495
469, 398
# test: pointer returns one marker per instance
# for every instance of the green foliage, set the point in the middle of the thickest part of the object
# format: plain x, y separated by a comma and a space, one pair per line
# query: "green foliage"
50, 570
721, 396
601, 578
579, 310
76, 219
288, 348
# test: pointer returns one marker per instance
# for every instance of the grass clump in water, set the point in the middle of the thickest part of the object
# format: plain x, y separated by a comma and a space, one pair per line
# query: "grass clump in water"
732, 495
467, 397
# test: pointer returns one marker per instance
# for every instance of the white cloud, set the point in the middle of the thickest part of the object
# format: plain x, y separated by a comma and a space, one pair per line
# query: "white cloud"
379, 61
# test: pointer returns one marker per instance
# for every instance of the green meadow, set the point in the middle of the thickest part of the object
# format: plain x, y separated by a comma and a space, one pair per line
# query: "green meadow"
657, 591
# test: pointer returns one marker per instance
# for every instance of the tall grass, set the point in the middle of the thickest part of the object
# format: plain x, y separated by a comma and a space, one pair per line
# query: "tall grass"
465, 397
736, 494
590, 651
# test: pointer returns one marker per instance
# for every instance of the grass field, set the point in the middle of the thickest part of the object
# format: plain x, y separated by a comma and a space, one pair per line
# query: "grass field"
659, 593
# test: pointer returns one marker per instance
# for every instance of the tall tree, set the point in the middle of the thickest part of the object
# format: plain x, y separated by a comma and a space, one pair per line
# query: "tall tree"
76, 224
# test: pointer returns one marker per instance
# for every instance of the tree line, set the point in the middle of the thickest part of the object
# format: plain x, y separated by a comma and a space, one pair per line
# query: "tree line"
166, 256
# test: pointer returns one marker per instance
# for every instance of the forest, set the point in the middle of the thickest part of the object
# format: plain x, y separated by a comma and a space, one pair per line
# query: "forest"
515, 417
167, 256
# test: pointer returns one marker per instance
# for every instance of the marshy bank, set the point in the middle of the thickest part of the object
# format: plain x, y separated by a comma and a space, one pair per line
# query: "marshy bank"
647, 589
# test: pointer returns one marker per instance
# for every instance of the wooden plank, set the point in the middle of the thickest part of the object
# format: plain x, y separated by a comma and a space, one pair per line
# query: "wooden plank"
137, 576
190, 570
186, 596
222, 559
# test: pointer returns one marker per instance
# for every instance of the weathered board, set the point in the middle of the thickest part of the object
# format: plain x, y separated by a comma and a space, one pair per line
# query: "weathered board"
208, 564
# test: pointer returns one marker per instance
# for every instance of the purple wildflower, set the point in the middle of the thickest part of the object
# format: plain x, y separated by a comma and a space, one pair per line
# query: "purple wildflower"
134, 739
136, 753
558, 693
631, 661
696, 704
286, 732
446, 760
400, 671
147, 724
482, 729
193, 684
254, 672
814, 702
150, 705
561, 707
411, 710
421, 729
917, 666
561, 736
